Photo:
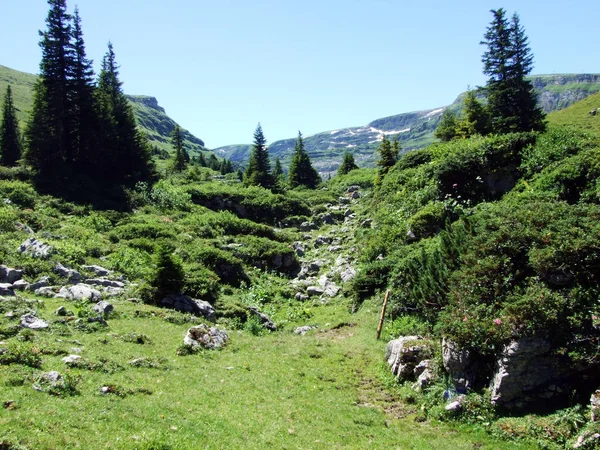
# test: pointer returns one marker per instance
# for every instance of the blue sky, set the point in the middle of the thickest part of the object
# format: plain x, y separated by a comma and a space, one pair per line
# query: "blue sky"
219, 67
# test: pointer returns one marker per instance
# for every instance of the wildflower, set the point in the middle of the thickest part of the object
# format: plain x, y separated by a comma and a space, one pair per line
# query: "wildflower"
497, 321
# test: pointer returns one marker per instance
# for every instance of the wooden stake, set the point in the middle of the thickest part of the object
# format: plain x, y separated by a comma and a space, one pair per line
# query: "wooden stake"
385, 302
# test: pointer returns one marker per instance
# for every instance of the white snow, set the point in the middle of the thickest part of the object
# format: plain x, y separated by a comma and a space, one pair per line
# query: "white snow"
434, 112
350, 146
335, 131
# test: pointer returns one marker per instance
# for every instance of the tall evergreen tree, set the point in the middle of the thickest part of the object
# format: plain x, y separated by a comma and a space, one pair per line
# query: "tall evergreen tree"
348, 164
278, 172
388, 155
84, 121
258, 172
302, 173
10, 136
126, 156
475, 118
48, 132
507, 61
448, 126
179, 162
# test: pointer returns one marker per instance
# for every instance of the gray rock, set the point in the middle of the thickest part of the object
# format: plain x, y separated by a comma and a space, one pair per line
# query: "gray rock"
355, 195
422, 366
20, 285
6, 290
307, 226
112, 291
98, 319
79, 292
334, 248
311, 268
524, 373
367, 223
69, 360
303, 330
98, 270
105, 283
587, 439
264, 319
186, 304
301, 297
60, 311
33, 322
404, 354
46, 291
104, 308
41, 283
299, 248
595, 405
36, 249
205, 337
322, 240
458, 363
314, 291
348, 274
425, 379
71, 275
9, 275
353, 188
327, 218
411, 237
343, 200
330, 289
52, 377
347, 213
456, 405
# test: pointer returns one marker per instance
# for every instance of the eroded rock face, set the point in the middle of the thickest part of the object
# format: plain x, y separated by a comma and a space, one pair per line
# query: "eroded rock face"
527, 373
186, 304
79, 292
404, 354
458, 363
6, 290
264, 319
9, 275
36, 249
205, 337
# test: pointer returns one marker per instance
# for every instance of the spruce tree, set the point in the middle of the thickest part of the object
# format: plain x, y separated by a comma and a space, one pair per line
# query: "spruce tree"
347, 165
48, 131
179, 162
10, 136
258, 172
302, 173
388, 155
475, 119
448, 126
507, 61
278, 173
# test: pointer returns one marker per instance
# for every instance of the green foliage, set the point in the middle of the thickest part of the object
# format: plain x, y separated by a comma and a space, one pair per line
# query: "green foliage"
447, 129
167, 195
258, 172
406, 325
180, 161
10, 136
135, 264
348, 164
302, 173
21, 353
19, 193
169, 277
388, 155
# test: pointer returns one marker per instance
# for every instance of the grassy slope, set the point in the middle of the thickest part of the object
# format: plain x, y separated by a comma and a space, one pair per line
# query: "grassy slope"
578, 116
154, 122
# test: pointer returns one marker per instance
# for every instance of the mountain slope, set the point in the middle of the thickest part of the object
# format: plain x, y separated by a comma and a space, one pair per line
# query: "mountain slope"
414, 129
151, 118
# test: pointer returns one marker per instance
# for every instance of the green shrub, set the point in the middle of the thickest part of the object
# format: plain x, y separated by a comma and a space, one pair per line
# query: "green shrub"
429, 220
135, 264
169, 275
21, 353
407, 326
168, 196
200, 282
19, 193
8, 217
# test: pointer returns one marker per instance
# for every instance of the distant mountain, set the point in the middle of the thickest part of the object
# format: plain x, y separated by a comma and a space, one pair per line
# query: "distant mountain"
414, 129
151, 118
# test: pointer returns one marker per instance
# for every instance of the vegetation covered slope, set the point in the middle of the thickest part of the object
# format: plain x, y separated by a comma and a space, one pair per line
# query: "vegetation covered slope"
151, 118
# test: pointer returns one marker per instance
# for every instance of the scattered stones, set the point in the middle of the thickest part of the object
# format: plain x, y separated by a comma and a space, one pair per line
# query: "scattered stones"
347, 213
186, 304
305, 329
327, 219
105, 283
98, 270
314, 291
348, 274
322, 240
425, 379
330, 289
41, 283
334, 248
9, 275
60, 311
20, 285
36, 249
264, 319
301, 297
456, 405
355, 195
353, 188
71, 275
307, 226
311, 268
205, 337
32, 322
46, 291
298, 248
52, 377
104, 308
343, 200
6, 290
79, 292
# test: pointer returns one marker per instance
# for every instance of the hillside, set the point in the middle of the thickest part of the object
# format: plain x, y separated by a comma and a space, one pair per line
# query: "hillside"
414, 129
151, 118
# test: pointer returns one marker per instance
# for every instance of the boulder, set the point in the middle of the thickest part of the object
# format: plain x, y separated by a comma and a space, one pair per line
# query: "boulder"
322, 240
353, 188
459, 365
303, 330
588, 440
71, 359
348, 274
105, 283
311, 268
595, 405
314, 291
46, 291
52, 377
104, 308
327, 218
60, 311
301, 297
97, 270
526, 373
264, 319
6, 290
404, 354
205, 337
36, 249
33, 322
20, 285
424, 379
307, 226
330, 289
343, 200
112, 291
355, 195
298, 248
455, 405
41, 283
79, 292
186, 304
71, 275
9, 275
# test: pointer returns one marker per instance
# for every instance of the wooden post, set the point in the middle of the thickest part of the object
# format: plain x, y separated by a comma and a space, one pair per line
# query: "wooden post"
385, 302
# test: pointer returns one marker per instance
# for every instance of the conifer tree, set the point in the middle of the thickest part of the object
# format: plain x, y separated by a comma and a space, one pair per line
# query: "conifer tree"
475, 119
228, 166
302, 173
48, 131
202, 160
278, 173
507, 61
388, 155
213, 163
258, 172
179, 162
10, 136
448, 126
348, 164
126, 156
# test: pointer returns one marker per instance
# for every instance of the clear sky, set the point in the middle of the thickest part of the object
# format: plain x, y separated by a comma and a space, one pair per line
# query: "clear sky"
219, 67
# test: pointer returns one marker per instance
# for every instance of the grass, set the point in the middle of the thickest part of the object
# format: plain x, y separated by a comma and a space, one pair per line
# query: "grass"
577, 115
278, 390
